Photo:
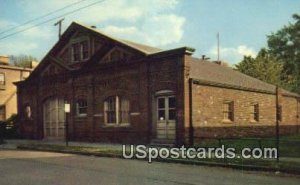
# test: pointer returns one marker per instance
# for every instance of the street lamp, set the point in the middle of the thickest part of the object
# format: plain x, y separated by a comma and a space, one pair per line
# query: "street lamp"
67, 111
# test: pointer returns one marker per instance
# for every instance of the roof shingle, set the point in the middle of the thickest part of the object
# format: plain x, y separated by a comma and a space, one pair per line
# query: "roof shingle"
211, 72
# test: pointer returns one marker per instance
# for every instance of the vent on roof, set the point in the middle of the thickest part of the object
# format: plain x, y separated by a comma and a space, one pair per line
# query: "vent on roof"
221, 63
205, 58
94, 27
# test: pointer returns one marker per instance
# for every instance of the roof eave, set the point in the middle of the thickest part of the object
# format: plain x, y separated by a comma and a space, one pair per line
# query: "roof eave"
176, 51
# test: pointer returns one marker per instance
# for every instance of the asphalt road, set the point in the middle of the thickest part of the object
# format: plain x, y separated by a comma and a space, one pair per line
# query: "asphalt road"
44, 168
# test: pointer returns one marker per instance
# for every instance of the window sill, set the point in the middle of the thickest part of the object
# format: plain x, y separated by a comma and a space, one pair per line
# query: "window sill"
227, 121
113, 125
81, 116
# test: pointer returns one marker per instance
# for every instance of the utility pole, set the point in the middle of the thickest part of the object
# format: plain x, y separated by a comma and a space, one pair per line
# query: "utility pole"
278, 120
59, 23
218, 40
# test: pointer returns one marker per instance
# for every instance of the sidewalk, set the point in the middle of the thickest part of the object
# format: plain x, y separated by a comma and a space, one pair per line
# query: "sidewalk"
13, 144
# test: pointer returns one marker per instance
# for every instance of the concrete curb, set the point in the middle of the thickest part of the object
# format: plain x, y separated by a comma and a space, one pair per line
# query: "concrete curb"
179, 161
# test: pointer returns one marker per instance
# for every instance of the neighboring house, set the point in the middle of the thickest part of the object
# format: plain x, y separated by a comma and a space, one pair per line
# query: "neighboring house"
124, 92
8, 91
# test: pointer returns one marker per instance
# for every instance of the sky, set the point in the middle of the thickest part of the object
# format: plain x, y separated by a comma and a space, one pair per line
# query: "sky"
243, 25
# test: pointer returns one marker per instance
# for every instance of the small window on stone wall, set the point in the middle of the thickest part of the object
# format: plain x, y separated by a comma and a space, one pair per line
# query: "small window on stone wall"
27, 112
254, 114
228, 111
81, 107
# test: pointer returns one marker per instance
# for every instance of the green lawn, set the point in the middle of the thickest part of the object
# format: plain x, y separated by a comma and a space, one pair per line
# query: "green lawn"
289, 152
289, 146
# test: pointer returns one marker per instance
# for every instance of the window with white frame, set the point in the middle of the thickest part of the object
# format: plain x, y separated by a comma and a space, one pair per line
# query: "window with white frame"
116, 110
80, 51
81, 107
2, 79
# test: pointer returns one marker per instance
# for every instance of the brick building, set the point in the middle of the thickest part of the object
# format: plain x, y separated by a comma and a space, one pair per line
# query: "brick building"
124, 92
8, 91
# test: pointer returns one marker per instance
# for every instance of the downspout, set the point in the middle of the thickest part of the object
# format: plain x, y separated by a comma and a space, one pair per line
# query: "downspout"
191, 128
298, 114
94, 109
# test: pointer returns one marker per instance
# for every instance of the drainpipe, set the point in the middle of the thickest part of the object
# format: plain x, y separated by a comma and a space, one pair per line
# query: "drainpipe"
298, 115
191, 128
149, 104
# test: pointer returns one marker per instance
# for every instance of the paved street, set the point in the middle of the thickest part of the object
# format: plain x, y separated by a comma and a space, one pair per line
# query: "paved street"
36, 168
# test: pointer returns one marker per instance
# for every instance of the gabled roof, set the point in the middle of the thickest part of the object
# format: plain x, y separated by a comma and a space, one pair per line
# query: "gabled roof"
205, 71
211, 73
137, 46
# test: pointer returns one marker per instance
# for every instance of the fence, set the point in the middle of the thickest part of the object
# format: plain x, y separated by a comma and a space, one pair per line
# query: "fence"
289, 146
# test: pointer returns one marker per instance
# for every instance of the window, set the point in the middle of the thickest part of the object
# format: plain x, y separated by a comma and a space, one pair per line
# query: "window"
80, 51
110, 110
2, 113
116, 110
254, 114
84, 50
228, 111
2, 79
166, 108
27, 112
76, 52
81, 107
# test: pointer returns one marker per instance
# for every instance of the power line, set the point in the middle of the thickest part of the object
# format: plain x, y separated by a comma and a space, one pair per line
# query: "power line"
36, 25
43, 16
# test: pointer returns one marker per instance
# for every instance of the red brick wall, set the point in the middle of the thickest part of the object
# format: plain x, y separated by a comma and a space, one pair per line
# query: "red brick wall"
208, 115
138, 81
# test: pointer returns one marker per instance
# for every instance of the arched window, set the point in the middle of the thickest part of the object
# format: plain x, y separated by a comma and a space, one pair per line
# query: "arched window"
81, 107
116, 110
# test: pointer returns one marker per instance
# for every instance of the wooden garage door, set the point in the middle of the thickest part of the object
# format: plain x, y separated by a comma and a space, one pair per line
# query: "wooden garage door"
54, 119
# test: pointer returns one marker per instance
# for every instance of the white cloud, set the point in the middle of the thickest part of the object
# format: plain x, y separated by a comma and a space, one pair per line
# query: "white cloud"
151, 22
6, 24
158, 30
128, 10
37, 32
17, 47
245, 51
233, 54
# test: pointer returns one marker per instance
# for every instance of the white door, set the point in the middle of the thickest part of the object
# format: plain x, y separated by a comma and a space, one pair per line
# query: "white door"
166, 117
54, 119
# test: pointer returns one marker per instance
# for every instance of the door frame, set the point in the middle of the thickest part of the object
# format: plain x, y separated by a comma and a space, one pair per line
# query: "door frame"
157, 95
57, 126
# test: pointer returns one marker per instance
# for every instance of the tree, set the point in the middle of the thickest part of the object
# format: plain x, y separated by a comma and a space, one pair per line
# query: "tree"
284, 45
263, 67
22, 60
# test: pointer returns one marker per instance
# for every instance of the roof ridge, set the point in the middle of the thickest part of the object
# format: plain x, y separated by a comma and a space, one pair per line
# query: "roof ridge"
128, 43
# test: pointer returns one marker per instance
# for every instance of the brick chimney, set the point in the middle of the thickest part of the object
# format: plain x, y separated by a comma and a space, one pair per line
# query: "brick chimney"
4, 60
221, 63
